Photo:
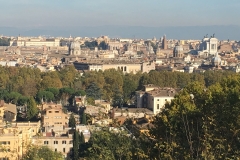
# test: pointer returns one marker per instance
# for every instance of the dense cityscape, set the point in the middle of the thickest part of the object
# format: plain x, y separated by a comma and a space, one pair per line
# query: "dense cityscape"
67, 94
126, 80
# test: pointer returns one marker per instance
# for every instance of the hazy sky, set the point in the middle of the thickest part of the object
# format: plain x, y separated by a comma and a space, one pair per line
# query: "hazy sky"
42, 13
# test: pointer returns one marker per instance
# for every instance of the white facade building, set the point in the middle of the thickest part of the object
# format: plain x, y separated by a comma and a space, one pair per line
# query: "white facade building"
208, 46
154, 98
19, 41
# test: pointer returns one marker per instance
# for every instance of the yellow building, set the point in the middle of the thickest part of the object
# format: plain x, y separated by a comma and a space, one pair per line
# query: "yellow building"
58, 142
54, 117
15, 138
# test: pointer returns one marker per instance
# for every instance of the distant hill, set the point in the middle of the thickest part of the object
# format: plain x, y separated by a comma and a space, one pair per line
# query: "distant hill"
184, 32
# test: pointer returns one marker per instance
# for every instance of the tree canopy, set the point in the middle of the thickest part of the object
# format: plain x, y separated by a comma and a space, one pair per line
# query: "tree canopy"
41, 152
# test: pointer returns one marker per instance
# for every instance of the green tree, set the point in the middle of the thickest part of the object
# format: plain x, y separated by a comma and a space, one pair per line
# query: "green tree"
55, 92
93, 91
83, 118
101, 145
45, 96
40, 153
117, 98
22, 101
72, 121
12, 97
80, 93
82, 138
50, 81
65, 94
76, 145
32, 109
82, 145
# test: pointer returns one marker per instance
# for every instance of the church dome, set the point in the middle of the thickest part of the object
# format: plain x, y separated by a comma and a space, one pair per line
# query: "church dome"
178, 51
74, 48
178, 48
216, 60
75, 45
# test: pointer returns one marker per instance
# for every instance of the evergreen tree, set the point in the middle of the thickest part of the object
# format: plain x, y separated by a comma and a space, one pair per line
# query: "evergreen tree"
76, 145
32, 109
82, 138
93, 91
83, 118
72, 121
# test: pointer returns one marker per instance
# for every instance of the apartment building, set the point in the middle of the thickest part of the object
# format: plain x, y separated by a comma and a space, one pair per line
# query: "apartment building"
53, 116
154, 98
15, 138
57, 142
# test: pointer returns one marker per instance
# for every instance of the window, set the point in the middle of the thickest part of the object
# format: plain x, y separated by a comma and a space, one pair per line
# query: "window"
165, 99
55, 142
64, 142
70, 142
157, 106
157, 99
56, 111
63, 150
55, 149
4, 142
45, 142
212, 46
50, 112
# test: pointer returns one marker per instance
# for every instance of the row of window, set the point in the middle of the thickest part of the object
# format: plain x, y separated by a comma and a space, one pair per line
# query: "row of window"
54, 122
64, 150
57, 117
56, 142
4, 150
4, 142
55, 112
158, 99
57, 122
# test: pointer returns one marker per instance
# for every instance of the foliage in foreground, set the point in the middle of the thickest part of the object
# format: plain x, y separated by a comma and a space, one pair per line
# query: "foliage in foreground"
110, 145
200, 123
42, 152
204, 127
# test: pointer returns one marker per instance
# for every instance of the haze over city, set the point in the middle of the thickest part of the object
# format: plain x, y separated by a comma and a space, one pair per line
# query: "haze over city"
130, 19
119, 79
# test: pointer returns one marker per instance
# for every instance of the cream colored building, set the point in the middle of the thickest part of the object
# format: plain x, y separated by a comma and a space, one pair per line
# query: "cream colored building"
154, 98
19, 41
54, 117
126, 67
15, 138
157, 98
60, 143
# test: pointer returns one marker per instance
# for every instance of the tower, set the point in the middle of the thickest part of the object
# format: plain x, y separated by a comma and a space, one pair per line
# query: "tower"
164, 42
